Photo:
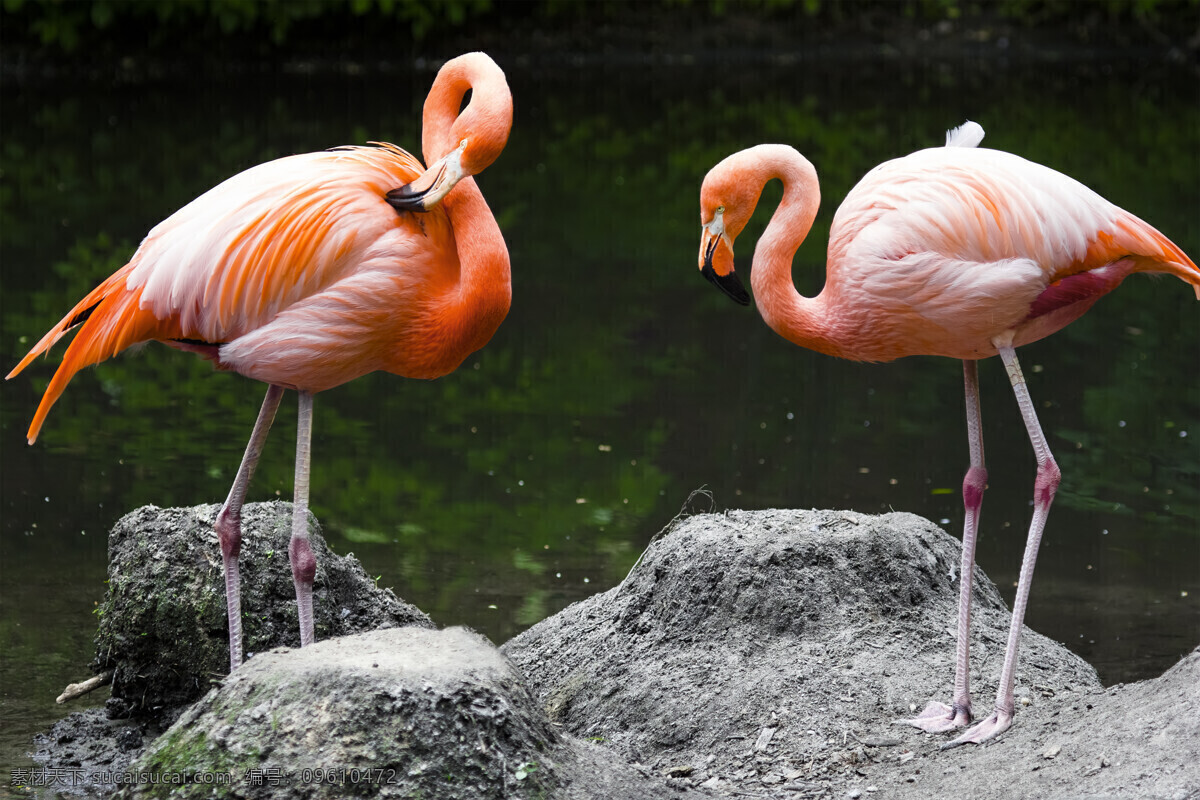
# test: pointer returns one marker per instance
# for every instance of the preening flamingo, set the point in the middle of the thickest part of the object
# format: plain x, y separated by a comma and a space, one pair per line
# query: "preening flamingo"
313, 270
952, 251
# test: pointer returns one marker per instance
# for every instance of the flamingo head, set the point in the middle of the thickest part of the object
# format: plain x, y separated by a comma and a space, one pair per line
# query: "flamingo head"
723, 215
433, 184
459, 143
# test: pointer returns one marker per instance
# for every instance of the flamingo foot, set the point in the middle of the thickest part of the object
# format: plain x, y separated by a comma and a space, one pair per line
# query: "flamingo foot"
997, 723
940, 718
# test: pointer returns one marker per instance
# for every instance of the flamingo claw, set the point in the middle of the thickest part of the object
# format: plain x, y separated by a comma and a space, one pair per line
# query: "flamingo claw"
939, 718
997, 723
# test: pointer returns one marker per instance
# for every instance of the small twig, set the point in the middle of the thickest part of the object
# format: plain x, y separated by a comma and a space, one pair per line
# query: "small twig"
74, 690
684, 511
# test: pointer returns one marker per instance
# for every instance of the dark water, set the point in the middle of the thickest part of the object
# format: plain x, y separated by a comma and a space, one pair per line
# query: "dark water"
621, 381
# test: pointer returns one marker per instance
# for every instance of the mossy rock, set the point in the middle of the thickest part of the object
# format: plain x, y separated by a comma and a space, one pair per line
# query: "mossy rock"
163, 625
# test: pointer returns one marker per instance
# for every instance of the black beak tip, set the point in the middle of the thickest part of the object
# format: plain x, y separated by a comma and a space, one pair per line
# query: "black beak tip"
405, 199
730, 284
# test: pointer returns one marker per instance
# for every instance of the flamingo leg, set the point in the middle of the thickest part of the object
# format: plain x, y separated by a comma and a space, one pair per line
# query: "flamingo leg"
229, 522
939, 717
303, 561
1044, 487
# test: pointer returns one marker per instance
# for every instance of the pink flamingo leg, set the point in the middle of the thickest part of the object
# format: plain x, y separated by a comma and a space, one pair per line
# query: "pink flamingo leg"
1044, 487
939, 717
304, 563
229, 522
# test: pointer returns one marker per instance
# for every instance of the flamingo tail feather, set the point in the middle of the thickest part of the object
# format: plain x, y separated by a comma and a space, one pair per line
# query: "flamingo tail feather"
1160, 254
1150, 251
109, 319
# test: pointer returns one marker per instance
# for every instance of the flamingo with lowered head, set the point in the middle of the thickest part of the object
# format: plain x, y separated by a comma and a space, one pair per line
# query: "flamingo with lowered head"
312, 270
953, 251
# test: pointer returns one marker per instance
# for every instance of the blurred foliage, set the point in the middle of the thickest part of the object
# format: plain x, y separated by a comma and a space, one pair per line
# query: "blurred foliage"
68, 25
81, 26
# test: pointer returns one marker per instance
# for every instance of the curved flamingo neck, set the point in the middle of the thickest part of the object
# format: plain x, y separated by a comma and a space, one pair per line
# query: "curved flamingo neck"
484, 283
799, 319
474, 310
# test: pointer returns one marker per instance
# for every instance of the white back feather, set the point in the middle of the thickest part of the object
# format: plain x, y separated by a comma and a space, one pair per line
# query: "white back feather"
969, 134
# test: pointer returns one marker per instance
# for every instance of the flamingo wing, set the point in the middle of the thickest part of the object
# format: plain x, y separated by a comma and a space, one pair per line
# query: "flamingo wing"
239, 254
959, 244
236, 257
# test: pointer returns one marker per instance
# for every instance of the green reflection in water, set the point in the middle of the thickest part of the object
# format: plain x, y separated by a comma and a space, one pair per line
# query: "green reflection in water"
534, 475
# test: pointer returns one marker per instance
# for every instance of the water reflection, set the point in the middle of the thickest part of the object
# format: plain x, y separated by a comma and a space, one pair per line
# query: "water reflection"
620, 382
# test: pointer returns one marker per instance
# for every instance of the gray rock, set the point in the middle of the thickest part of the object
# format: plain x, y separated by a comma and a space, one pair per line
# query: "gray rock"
739, 623
1140, 740
397, 713
760, 645
163, 624
762, 654
92, 747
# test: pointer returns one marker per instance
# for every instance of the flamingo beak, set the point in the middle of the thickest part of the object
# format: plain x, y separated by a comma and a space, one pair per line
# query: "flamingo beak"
432, 185
716, 261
